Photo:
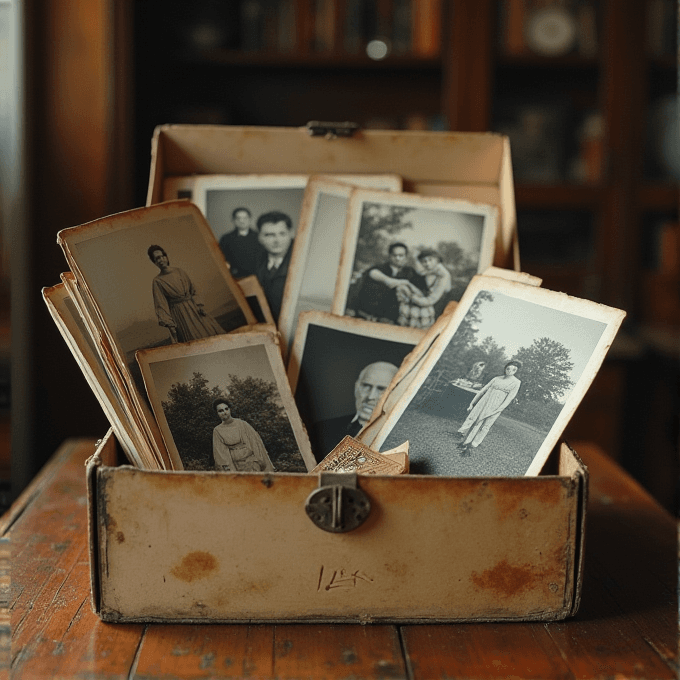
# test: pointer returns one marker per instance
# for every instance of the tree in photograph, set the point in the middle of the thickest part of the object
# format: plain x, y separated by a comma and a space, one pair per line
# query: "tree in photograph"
492, 354
460, 264
379, 224
546, 366
257, 402
191, 420
454, 360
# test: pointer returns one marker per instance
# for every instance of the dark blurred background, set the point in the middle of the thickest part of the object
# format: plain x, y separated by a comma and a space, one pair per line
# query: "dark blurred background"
585, 89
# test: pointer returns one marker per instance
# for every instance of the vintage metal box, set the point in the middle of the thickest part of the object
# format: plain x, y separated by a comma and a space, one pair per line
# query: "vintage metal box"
208, 546
214, 546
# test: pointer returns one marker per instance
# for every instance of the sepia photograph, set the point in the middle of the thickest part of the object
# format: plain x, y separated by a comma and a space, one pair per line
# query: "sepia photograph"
318, 245
224, 404
501, 382
256, 299
338, 369
68, 320
156, 277
405, 257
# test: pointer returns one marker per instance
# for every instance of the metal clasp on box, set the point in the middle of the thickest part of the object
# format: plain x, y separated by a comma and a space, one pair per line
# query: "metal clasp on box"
331, 130
338, 505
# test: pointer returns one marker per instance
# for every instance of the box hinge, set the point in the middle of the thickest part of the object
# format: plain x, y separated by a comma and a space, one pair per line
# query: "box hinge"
338, 505
317, 128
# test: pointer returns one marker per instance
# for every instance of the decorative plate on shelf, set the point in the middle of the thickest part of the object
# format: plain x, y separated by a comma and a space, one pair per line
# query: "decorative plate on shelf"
550, 31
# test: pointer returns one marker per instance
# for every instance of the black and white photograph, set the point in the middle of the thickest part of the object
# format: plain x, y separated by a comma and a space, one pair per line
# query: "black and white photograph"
405, 257
156, 277
501, 382
318, 246
338, 370
224, 404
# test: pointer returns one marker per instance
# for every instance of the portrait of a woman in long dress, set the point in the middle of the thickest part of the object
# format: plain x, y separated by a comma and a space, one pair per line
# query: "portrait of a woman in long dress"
237, 447
177, 306
487, 405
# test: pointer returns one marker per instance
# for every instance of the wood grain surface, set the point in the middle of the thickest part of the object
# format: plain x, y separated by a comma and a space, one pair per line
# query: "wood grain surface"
626, 627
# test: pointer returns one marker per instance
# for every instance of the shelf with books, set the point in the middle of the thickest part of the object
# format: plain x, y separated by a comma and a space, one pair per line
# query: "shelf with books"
376, 28
326, 60
556, 130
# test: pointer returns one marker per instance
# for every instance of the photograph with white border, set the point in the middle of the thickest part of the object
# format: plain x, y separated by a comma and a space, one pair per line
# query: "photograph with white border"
224, 404
405, 257
501, 382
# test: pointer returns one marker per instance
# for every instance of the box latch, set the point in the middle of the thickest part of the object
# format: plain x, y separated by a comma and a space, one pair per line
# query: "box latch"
338, 505
331, 130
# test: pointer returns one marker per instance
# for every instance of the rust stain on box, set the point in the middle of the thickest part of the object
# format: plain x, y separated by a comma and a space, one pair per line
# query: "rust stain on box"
194, 485
194, 566
507, 579
513, 496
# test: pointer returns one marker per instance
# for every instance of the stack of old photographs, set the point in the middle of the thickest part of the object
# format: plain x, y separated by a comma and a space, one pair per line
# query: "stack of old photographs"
254, 326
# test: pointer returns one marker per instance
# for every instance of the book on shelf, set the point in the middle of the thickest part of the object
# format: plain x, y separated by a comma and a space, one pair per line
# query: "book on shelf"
512, 27
661, 27
353, 38
287, 28
427, 27
402, 26
325, 16
252, 25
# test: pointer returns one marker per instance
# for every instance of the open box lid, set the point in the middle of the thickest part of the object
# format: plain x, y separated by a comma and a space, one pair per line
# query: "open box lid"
473, 166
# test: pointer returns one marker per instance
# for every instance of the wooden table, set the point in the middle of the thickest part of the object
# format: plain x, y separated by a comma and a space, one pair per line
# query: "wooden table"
626, 628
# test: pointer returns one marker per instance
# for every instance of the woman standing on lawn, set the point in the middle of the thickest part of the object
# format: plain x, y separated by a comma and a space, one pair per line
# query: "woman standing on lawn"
487, 405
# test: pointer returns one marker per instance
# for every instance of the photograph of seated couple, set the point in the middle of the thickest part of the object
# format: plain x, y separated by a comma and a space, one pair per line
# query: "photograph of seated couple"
395, 293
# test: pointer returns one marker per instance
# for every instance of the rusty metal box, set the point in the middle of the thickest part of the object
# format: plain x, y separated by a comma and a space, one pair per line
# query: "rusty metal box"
228, 547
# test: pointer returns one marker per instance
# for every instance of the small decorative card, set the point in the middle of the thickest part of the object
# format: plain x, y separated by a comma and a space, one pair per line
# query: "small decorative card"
351, 455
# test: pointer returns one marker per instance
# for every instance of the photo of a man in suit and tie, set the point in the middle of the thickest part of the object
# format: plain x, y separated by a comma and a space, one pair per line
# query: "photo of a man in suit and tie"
368, 388
275, 230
